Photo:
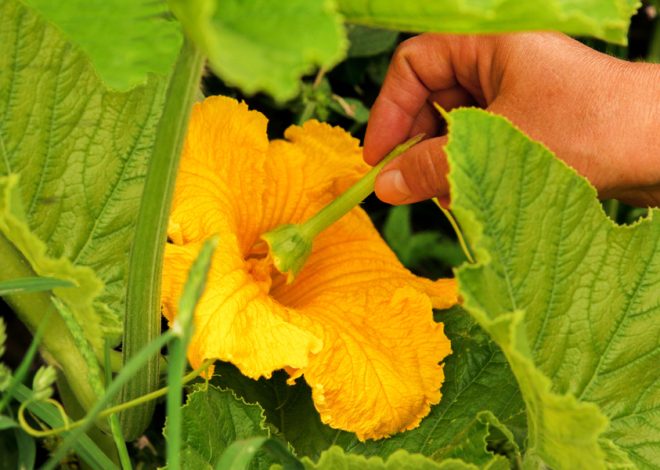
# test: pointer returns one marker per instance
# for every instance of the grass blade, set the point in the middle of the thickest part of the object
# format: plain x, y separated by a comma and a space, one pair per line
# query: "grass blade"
32, 284
183, 325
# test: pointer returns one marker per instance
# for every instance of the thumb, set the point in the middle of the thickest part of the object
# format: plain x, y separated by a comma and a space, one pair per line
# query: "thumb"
418, 174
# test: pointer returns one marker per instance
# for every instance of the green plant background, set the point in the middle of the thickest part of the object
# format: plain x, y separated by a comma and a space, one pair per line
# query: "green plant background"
85, 113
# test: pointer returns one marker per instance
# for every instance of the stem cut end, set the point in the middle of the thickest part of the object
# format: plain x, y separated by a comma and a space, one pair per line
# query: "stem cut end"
289, 248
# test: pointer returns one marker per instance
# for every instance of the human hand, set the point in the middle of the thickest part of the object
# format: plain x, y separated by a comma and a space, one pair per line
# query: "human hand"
599, 114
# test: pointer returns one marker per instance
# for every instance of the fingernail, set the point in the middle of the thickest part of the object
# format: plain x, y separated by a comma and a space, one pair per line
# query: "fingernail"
392, 187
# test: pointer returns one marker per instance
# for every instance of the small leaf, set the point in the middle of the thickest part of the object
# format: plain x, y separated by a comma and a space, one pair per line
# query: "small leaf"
7, 423
212, 419
367, 42
27, 449
606, 20
125, 39
240, 454
352, 108
260, 45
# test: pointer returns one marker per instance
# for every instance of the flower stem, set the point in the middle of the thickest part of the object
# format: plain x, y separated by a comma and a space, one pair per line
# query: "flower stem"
291, 244
353, 195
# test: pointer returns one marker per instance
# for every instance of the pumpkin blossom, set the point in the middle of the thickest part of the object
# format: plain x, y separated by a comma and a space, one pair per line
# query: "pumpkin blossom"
354, 323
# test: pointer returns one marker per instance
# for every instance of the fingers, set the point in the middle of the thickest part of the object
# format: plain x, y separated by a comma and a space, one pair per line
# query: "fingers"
425, 69
418, 174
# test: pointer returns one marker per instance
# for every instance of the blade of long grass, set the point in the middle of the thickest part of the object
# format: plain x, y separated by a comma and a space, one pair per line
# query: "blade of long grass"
115, 428
32, 284
183, 325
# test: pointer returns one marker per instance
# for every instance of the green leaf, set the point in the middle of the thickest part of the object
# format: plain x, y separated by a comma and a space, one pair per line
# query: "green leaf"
31, 284
260, 45
477, 378
336, 458
472, 444
352, 108
7, 423
81, 153
212, 419
570, 297
240, 454
413, 249
81, 298
125, 39
367, 42
606, 19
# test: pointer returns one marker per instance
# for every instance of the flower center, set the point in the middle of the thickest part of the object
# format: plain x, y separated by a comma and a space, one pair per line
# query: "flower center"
260, 266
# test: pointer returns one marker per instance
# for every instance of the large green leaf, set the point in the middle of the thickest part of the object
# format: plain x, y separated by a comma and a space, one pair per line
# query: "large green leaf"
80, 152
214, 418
605, 19
124, 39
477, 378
97, 322
261, 45
570, 297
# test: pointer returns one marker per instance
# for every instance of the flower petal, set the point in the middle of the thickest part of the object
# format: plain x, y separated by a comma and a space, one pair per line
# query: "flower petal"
221, 172
378, 372
316, 164
235, 319
351, 255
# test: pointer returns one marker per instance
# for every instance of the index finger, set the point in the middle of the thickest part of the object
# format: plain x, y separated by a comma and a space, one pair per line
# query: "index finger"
420, 66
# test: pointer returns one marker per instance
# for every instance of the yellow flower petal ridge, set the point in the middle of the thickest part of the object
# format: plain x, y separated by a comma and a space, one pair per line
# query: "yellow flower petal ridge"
355, 324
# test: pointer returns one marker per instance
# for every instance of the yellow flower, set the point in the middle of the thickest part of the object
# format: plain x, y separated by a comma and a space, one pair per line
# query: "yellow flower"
355, 323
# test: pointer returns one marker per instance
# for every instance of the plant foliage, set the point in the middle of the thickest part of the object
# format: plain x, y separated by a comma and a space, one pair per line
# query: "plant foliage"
555, 348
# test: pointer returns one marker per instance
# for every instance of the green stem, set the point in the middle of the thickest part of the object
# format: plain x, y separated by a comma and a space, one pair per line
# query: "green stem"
142, 321
290, 245
612, 209
353, 195
58, 345
310, 107
654, 48
457, 230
